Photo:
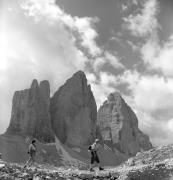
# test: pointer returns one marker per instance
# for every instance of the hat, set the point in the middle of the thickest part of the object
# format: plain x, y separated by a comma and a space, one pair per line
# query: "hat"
33, 141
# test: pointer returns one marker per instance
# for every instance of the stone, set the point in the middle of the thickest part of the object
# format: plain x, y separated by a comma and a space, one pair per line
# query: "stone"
74, 112
118, 125
2, 165
30, 112
24, 175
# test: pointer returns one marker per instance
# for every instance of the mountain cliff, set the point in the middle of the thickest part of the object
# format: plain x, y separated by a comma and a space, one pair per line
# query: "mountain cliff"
119, 126
69, 120
74, 112
30, 112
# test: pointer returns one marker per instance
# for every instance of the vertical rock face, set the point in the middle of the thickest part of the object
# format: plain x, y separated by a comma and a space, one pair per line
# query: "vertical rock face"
30, 112
119, 125
74, 112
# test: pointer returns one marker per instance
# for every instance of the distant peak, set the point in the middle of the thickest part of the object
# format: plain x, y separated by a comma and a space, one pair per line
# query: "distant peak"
117, 93
34, 84
113, 96
45, 86
79, 73
44, 83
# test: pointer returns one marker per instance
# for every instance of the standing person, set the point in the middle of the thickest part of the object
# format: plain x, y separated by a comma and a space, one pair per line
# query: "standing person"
32, 152
94, 156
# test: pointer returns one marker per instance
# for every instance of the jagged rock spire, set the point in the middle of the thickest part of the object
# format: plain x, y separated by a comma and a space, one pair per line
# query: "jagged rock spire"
30, 112
74, 112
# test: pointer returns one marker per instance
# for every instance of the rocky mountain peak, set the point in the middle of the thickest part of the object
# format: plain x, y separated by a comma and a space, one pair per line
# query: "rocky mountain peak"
44, 84
78, 80
30, 112
34, 84
119, 125
114, 98
79, 74
71, 115
74, 112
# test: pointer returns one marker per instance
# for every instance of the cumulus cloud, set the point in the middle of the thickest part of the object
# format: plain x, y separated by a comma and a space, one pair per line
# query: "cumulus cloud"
160, 132
150, 93
47, 11
40, 40
143, 22
103, 86
33, 44
159, 56
134, 47
153, 94
107, 58
98, 63
155, 53
114, 60
126, 5
151, 97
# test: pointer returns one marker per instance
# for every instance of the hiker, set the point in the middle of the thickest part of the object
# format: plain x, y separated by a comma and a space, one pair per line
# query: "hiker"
94, 156
32, 152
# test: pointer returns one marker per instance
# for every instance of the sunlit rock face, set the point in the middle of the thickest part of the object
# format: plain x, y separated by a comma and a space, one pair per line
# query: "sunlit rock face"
74, 112
119, 126
30, 112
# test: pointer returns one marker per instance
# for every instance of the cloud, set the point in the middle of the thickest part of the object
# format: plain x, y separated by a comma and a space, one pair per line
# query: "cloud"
134, 47
158, 56
48, 11
114, 60
40, 40
151, 93
151, 97
160, 132
126, 5
107, 58
144, 22
37, 40
103, 86
129, 77
98, 63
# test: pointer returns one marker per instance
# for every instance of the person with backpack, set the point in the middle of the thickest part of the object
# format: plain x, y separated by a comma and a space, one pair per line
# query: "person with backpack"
32, 153
93, 149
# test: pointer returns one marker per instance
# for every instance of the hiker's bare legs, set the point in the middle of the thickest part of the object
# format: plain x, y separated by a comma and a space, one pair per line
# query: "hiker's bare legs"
92, 166
100, 167
30, 161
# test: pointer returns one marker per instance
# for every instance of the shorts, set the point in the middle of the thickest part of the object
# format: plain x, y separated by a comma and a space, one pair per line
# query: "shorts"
32, 156
94, 157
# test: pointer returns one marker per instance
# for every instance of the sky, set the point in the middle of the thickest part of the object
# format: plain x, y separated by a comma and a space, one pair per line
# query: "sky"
121, 45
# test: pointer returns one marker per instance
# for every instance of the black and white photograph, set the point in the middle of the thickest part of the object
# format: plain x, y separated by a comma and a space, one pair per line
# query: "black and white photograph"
86, 89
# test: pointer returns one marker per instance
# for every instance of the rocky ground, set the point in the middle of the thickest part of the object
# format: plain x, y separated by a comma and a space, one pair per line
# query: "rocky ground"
157, 171
156, 164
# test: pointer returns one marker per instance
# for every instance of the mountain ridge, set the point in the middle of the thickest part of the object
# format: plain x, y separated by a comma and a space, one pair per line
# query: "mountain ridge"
70, 116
